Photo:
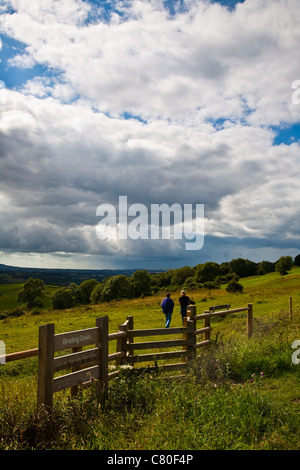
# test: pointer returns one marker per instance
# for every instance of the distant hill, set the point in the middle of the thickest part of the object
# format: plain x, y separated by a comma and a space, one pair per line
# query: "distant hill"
58, 277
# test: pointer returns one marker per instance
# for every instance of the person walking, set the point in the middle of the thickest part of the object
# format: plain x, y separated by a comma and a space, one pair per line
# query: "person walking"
184, 301
167, 306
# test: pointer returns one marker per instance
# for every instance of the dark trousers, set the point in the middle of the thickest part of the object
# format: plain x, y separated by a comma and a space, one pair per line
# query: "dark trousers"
183, 312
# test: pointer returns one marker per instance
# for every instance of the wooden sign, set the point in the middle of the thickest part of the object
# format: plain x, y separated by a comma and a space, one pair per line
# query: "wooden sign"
76, 339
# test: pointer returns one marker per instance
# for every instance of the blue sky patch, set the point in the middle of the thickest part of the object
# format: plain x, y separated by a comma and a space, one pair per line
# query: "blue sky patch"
287, 135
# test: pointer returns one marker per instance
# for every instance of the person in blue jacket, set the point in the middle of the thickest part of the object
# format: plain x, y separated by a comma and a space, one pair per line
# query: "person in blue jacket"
167, 306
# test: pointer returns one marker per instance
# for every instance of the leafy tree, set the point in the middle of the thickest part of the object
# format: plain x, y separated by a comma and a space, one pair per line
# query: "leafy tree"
163, 280
96, 295
32, 293
63, 298
191, 283
180, 275
224, 268
73, 287
207, 272
243, 267
297, 260
265, 267
85, 289
284, 264
141, 283
117, 288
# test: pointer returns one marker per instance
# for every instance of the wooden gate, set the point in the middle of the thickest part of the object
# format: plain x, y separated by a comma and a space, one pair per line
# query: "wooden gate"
92, 364
86, 364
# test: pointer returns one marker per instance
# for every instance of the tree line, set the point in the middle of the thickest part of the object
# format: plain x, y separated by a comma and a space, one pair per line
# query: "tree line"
142, 283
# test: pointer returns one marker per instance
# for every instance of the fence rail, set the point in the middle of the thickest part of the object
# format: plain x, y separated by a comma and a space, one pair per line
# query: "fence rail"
92, 364
16, 356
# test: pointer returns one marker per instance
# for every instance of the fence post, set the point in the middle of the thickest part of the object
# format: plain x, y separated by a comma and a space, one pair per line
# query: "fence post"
189, 335
123, 341
192, 339
119, 349
249, 320
130, 340
191, 310
46, 363
184, 336
102, 385
207, 325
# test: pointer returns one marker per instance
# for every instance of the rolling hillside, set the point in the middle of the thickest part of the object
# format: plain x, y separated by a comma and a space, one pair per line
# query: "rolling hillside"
240, 394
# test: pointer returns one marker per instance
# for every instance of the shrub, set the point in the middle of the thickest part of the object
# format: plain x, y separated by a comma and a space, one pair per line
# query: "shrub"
63, 298
234, 286
211, 285
223, 279
13, 313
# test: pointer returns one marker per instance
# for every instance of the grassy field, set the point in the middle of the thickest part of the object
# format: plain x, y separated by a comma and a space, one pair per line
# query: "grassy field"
220, 405
9, 294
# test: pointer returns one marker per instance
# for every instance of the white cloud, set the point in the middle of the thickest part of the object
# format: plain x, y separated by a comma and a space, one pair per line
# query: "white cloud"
208, 83
209, 60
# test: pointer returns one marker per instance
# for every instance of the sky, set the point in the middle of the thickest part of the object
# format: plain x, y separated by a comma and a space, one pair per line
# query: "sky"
165, 102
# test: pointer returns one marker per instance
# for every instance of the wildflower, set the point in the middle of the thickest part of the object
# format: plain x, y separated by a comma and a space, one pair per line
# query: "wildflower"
253, 375
262, 374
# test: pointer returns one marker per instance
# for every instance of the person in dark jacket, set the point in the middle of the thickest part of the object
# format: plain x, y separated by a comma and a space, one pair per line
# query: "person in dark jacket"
167, 306
184, 301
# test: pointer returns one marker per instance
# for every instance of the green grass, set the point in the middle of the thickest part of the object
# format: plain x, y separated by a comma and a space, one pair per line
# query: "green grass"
215, 407
9, 294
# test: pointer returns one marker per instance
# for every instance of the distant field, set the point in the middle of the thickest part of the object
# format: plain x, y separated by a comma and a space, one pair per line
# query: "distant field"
294, 275
9, 294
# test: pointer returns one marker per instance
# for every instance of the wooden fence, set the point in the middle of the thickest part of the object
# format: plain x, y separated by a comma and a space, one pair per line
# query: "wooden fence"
87, 366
